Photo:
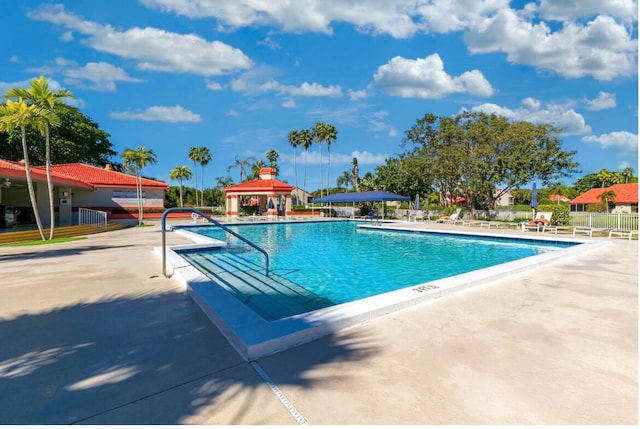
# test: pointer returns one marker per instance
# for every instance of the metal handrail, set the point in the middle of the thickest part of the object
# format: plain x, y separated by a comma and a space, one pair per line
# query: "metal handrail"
216, 223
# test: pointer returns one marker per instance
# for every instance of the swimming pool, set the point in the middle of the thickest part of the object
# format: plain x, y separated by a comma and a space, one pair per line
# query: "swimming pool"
255, 335
319, 264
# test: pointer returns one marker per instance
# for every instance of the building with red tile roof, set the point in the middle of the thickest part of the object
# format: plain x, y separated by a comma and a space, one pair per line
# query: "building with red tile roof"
557, 198
76, 185
273, 195
626, 200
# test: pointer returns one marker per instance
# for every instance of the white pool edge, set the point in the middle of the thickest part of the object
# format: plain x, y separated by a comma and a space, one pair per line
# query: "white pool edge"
254, 337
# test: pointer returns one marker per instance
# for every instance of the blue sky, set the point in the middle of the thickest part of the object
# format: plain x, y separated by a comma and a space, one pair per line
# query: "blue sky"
238, 75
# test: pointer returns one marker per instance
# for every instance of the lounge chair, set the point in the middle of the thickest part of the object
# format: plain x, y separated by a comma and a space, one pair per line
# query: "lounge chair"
543, 219
451, 218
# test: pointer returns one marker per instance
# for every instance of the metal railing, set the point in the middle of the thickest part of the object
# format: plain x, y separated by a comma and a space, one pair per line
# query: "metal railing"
626, 221
213, 221
92, 217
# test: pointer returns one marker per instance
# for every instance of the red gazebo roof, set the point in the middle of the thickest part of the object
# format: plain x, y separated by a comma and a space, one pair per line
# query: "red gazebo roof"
265, 184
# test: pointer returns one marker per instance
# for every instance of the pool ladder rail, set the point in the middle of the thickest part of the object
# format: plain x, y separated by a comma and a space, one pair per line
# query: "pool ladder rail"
211, 220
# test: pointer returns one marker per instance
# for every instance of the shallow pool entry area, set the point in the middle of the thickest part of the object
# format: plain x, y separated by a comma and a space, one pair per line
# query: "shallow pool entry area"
273, 297
325, 276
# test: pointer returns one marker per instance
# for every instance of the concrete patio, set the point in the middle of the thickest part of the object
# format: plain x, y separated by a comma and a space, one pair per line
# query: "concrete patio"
92, 333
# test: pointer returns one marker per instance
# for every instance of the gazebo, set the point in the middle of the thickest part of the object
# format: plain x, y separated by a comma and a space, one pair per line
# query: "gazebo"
271, 196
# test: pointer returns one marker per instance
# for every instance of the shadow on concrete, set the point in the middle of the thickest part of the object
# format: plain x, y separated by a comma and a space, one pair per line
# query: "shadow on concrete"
47, 252
151, 358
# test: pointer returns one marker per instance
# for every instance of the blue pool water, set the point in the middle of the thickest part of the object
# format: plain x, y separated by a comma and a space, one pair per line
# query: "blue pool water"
337, 262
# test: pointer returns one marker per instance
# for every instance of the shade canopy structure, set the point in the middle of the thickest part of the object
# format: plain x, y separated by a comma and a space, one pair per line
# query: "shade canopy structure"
360, 197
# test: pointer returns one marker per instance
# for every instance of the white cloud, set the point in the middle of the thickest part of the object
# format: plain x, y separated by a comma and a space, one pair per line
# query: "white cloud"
154, 49
232, 112
605, 100
398, 18
214, 86
357, 95
601, 48
623, 141
569, 10
159, 114
337, 158
289, 104
305, 89
426, 78
269, 43
103, 76
67, 36
531, 110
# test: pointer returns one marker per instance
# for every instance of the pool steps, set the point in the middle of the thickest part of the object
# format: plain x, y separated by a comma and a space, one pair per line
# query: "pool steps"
273, 297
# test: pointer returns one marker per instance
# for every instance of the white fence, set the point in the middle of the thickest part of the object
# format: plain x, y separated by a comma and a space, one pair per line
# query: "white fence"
605, 220
92, 217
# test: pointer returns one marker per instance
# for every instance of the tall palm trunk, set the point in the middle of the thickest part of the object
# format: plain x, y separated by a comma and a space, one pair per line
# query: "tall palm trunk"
304, 183
295, 166
52, 210
195, 173
181, 202
32, 194
328, 167
321, 173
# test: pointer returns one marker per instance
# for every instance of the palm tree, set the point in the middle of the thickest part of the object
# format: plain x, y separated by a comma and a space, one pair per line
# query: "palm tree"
607, 197
241, 164
306, 139
273, 156
294, 140
354, 174
330, 137
17, 114
319, 136
204, 159
256, 167
40, 95
194, 155
344, 180
136, 160
181, 172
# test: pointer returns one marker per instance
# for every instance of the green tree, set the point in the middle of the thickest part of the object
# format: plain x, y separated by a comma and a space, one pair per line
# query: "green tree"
204, 159
472, 154
18, 115
180, 173
136, 160
344, 180
320, 136
194, 156
306, 140
607, 198
331, 136
241, 164
294, 140
354, 174
255, 169
40, 94
272, 157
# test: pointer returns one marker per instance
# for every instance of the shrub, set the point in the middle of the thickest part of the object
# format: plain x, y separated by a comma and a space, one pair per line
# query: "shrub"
560, 213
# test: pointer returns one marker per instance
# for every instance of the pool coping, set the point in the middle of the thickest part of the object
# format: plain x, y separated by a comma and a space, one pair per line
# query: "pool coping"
253, 337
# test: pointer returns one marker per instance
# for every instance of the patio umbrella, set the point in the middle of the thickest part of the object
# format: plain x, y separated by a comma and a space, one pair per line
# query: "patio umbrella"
271, 206
281, 205
416, 205
534, 197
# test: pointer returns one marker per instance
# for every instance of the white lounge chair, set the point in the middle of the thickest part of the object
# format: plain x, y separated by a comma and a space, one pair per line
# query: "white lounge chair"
452, 218
542, 219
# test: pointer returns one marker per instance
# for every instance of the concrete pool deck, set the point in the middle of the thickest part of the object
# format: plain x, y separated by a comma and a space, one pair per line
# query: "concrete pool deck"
92, 333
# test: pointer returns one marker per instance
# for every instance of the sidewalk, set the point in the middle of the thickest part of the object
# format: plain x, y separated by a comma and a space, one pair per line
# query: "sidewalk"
93, 334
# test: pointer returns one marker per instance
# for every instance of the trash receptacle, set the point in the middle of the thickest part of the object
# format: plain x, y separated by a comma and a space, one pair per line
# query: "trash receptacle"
9, 216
